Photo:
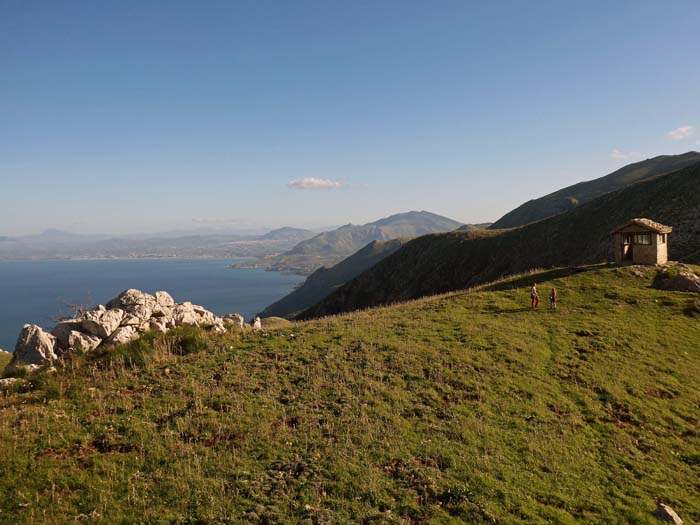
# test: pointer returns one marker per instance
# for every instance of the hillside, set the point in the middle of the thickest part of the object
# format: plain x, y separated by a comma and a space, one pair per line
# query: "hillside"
468, 408
572, 196
287, 234
440, 263
324, 281
329, 248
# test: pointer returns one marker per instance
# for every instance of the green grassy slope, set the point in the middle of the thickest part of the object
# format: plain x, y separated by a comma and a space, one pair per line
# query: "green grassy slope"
4, 359
324, 281
463, 409
439, 263
572, 196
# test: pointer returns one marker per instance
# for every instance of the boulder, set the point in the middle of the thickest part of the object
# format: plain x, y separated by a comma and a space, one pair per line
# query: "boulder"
131, 297
134, 302
34, 348
86, 342
130, 320
677, 277
162, 311
667, 514
102, 323
141, 311
204, 315
184, 313
164, 299
234, 319
257, 324
218, 328
123, 335
158, 325
62, 333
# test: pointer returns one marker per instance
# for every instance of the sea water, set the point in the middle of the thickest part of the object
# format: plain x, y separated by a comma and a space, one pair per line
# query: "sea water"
41, 292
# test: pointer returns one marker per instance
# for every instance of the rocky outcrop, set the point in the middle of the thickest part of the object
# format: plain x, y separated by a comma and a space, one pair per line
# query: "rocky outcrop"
85, 342
236, 320
102, 322
34, 348
677, 277
667, 514
121, 321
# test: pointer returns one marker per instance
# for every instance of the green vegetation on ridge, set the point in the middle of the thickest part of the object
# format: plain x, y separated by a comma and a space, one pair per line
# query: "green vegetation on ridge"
467, 408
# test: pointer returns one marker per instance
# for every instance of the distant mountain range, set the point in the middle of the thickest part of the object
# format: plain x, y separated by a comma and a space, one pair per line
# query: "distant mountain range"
440, 263
54, 243
329, 248
288, 234
568, 198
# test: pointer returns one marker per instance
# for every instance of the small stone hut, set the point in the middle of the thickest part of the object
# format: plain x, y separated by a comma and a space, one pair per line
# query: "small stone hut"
642, 241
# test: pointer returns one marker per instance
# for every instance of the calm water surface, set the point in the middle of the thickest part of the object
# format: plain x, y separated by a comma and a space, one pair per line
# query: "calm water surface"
40, 291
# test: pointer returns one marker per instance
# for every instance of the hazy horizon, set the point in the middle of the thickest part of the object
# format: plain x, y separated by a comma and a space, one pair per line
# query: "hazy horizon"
133, 118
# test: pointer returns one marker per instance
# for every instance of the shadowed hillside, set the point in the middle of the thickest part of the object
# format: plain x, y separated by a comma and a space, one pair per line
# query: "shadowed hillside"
462, 409
440, 263
324, 281
568, 198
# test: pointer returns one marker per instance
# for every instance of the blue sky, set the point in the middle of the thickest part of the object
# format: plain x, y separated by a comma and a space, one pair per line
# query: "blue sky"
136, 116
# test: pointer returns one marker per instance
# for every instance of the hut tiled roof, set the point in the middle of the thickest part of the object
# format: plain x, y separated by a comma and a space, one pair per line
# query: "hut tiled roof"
648, 224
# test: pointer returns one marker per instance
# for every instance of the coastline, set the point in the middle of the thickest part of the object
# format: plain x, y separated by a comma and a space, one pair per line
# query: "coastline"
39, 290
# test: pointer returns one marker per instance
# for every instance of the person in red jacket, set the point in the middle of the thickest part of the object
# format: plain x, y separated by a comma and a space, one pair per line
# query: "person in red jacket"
534, 296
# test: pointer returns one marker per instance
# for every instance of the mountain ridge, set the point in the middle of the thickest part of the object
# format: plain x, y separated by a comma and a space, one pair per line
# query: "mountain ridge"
569, 197
329, 248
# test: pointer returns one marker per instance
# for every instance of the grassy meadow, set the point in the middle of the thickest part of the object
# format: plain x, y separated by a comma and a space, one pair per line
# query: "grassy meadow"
462, 408
4, 359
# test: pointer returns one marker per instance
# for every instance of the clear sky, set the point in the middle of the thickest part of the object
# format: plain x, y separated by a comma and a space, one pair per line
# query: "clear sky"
130, 116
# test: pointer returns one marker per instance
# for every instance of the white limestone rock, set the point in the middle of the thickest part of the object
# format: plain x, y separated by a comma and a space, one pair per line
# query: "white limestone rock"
134, 302
185, 314
218, 328
62, 333
158, 325
123, 335
164, 299
34, 347
102, 323
234, 319
86, 342
667, 514
130, 320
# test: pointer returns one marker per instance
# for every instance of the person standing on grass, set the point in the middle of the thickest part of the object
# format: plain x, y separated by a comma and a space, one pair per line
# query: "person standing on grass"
553, 299
534, 296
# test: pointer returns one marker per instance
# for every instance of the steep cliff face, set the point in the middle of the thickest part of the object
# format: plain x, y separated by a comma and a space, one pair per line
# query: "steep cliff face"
439, 263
